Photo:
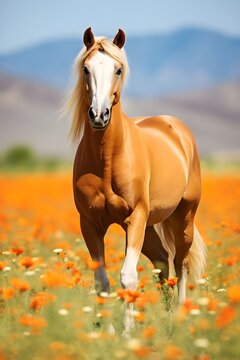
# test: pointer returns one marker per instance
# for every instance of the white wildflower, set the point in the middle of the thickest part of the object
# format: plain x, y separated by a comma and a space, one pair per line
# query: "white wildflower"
29, 273
26, 333
201, 343
134, 313
6, 253
93, 335
156, 271
195, 312
211, 312
58, 251
36, 259
202, 281
221, 290
203, 301
222, 304
92, 292
134, 344
6, 268
104, 294
113, 295
87, 309
63, 312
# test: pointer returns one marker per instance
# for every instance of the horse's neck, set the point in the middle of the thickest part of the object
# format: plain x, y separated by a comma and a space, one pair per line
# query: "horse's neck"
101, 145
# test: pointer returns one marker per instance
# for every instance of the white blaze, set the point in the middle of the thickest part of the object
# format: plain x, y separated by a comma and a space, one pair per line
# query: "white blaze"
101, 68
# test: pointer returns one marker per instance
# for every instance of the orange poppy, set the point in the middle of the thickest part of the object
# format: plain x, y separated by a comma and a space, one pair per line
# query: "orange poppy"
188, 305
7, 293
149, 332
3, 264
225, 316
69, 264
57, 346
54, 279
142, 351
171, 282
148, 297
128, 295
94, 265
139, 316
101, 300
234, 294
33, 322
173, 352
27, 262
20, 285
17, 251
191, 286
41, 299
104, 314
140, 268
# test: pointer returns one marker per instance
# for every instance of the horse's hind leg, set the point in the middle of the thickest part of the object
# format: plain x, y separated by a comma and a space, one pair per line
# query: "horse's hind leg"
182, 225
155, 252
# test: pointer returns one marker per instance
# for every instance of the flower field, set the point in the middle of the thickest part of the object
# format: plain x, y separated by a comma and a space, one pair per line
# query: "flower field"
48, 307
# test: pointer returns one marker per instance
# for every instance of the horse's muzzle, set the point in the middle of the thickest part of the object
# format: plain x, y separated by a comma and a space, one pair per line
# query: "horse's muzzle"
99, 122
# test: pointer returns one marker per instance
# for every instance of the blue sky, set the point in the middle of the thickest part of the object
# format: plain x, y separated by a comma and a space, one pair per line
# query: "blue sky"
25, 22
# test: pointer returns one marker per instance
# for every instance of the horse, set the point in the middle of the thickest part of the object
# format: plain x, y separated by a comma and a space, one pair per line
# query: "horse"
141, 173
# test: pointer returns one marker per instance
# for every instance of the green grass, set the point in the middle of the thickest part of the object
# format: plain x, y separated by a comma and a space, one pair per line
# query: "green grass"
79, 336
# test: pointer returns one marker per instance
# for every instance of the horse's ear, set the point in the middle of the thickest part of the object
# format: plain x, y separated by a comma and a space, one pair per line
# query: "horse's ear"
119, 39
88, 38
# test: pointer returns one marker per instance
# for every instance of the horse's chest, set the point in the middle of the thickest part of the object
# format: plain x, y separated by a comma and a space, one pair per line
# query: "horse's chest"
93, 198
89, 192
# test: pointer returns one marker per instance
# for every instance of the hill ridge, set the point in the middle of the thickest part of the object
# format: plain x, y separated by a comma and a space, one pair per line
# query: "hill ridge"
160, 64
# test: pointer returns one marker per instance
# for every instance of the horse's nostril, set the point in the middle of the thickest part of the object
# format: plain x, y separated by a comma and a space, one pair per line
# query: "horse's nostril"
107, 112
105, 115
92, 113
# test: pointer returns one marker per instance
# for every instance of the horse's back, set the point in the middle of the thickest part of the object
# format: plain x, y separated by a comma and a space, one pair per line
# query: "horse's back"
167, 125
174, 163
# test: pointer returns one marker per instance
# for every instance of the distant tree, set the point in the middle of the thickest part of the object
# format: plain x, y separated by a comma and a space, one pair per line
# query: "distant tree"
20, 156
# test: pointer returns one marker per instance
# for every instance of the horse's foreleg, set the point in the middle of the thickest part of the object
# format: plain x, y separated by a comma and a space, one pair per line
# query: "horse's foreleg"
94, 240
136, 224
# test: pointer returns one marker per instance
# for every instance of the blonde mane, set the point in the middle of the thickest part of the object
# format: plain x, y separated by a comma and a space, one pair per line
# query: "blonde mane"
77, 101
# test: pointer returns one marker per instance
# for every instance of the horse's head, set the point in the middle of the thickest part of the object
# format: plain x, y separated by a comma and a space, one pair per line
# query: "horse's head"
102, 68
102, 71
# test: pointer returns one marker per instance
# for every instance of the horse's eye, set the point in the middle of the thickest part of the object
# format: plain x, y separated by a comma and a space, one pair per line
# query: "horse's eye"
85, 70
119, 71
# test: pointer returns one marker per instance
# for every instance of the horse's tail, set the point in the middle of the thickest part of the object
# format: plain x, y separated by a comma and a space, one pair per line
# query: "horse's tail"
197, 256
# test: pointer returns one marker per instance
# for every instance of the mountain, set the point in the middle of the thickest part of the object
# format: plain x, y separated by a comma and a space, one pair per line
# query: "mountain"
159, 64
30, 114
213, 115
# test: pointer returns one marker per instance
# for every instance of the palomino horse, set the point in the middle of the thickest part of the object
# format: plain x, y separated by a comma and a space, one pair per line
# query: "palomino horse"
143, 173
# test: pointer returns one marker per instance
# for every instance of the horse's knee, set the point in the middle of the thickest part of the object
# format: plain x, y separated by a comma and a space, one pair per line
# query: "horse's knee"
129, 279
